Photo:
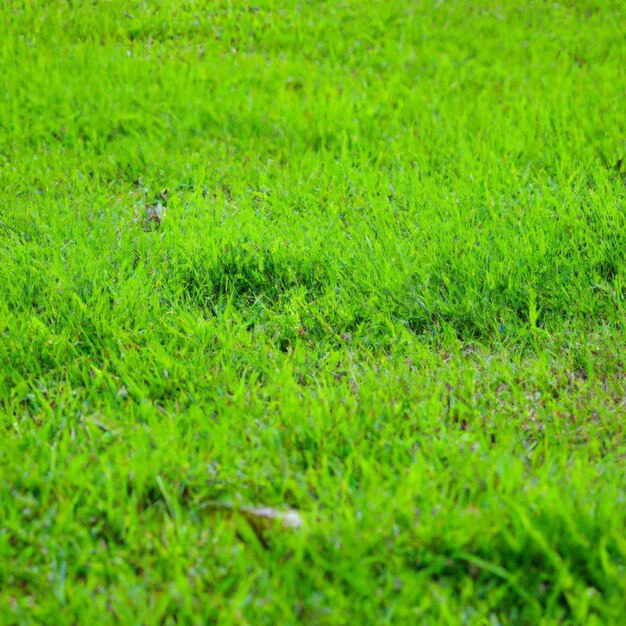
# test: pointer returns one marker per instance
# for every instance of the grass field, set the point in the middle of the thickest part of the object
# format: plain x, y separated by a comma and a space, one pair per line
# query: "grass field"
369, 368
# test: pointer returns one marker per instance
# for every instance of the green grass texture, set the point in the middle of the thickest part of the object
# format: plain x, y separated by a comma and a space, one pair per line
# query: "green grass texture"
363, 362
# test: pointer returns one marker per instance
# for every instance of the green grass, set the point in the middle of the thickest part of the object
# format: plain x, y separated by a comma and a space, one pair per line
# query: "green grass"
388, 293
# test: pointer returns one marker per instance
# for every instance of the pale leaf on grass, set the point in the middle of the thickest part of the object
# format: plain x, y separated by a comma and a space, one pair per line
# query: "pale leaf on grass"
289, 518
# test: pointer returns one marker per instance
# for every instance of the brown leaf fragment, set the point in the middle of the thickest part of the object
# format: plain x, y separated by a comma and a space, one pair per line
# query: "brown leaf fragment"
155, 211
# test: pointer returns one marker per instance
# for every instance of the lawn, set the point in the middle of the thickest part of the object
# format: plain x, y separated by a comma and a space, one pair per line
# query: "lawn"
363, 362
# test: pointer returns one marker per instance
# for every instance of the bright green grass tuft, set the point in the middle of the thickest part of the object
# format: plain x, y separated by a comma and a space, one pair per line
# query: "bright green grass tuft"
389, 293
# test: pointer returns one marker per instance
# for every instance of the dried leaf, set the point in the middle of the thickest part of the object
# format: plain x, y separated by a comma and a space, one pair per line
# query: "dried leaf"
155, 211
289, 518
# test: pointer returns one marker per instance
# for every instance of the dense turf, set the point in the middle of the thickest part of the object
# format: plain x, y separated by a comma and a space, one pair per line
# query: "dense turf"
388, 294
